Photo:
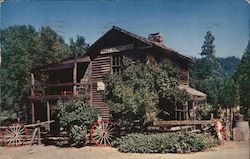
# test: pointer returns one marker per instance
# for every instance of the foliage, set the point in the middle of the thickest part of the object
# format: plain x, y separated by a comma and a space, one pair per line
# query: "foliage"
143, 92
76, 116
229, 65
207, 76
243, 77
23, 48
164, 143
228, 93
79, 46
204, 111
208, 46
77, 135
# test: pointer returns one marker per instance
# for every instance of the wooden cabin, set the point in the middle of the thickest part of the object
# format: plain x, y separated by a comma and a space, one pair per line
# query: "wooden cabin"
85, 74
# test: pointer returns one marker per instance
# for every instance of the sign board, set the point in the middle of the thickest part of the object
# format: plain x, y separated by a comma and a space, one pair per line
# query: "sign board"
100, 86
117, 48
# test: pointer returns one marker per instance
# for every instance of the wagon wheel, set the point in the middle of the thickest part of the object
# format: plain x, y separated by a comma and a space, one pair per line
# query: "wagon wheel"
15, 135
102, 133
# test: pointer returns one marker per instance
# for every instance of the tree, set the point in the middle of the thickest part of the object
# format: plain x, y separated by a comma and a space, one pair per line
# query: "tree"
209, 76
229, 65
242, 76
208, 46
143, 92
22, 49
78, 47
228, 96
206, 71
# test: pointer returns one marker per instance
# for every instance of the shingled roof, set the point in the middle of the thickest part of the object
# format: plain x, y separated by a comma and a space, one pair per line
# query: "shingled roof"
142, 39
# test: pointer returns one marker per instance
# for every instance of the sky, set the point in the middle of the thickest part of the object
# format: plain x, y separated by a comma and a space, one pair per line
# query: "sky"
183, 23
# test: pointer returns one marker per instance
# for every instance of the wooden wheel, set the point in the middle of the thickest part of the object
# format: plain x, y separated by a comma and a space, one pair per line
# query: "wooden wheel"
15, 135
102, 133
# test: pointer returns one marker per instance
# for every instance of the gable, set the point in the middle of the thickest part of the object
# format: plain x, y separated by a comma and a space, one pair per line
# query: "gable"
115, 41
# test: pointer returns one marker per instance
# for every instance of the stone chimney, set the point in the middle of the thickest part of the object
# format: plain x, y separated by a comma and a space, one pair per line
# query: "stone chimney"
156, 37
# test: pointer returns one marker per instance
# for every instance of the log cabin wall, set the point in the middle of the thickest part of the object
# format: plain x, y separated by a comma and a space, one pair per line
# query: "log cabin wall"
101, 67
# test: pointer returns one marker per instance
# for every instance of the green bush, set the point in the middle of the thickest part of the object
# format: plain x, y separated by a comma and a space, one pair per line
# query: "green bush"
204, 111
76, 116
164, 143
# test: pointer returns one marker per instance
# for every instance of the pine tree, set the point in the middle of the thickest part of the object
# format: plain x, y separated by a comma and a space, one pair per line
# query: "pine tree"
206, 71
208, 46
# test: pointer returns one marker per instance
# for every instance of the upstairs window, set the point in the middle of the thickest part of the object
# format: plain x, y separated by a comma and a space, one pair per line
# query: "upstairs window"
117, 64
184, 77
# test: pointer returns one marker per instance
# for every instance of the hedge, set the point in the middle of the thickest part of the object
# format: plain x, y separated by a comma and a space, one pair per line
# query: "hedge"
164, 143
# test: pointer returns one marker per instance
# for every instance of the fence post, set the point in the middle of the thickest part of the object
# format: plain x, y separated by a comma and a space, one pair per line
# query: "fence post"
212, 116
39, 132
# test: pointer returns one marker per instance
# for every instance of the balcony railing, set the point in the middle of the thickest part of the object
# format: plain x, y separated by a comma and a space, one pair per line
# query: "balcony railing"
61, 90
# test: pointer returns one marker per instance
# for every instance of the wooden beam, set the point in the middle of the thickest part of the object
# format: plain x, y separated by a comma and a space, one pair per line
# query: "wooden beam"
74, 77
60, 84
33, 136
41, 124
78, 60
59, 67
51, 97
48, 114
64, 84
187, 113
90, 82
184, 122
33, 111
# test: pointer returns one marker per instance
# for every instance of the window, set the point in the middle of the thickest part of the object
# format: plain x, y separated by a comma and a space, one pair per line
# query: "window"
161, 60
117, 64
184, 77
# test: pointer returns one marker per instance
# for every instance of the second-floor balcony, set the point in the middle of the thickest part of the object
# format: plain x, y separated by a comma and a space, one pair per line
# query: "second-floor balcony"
60, 90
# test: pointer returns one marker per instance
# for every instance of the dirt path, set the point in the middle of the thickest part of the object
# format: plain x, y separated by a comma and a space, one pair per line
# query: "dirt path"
231, 150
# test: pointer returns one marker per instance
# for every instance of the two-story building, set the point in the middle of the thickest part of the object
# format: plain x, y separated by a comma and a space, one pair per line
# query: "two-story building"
85, 74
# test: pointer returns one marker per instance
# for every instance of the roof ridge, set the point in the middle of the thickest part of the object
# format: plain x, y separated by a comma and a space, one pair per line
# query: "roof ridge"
144, 39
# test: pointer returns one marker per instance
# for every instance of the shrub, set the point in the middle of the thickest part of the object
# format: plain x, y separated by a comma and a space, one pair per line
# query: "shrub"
204, 111
76, 116
164, 143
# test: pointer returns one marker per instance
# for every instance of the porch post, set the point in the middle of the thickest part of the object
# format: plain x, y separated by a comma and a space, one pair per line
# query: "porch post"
33, 112
32, 94
187, 116
48, 114
74, 78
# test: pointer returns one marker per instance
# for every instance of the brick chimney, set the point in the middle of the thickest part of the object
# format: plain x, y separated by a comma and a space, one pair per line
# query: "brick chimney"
156, 37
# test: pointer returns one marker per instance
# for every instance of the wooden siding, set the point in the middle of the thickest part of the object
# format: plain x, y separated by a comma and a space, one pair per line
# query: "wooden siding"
101, 66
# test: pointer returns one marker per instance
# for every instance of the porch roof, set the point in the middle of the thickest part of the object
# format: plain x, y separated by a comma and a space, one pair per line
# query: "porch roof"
195, 94
64, 63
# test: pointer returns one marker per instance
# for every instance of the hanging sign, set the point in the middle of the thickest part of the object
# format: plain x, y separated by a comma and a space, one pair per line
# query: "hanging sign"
117, 48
